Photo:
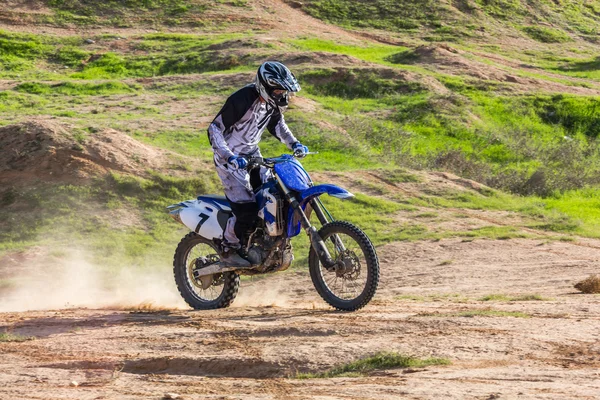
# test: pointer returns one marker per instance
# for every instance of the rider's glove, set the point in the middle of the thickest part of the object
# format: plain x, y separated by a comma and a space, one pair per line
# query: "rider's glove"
237, 162
299, 149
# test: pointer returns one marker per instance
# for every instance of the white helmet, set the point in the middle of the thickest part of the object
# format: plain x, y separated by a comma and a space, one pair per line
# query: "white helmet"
273, 81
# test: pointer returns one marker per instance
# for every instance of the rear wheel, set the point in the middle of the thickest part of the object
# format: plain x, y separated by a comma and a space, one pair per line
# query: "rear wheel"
353, 282
202, 293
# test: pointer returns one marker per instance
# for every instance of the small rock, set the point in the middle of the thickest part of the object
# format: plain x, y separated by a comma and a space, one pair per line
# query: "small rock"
74, 384
413, 370
171, 396
89, 41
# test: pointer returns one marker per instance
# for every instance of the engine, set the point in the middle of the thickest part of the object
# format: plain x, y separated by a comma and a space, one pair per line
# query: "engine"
269, 253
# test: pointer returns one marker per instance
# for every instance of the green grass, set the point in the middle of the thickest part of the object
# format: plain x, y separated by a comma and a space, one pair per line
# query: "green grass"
130, 13
546, 35
379, 361
437, 21
12, 337
158, 54
503, 297
75, 88
544, 148
452, 297
353, 84
479, 313
376, 53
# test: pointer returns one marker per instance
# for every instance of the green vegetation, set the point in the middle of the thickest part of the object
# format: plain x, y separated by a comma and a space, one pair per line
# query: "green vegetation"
453, 297
381, 108
12, 337
72, 88
379, 361
353, 84
451, 21
546, 35
156, 54
503, 297
480, 313
370, 52
130, 13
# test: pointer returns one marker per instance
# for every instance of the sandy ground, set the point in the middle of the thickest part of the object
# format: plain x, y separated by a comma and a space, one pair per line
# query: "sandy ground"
250, 351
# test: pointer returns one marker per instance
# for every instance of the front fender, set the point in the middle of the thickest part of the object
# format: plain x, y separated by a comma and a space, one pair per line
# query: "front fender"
306, 196
332, 190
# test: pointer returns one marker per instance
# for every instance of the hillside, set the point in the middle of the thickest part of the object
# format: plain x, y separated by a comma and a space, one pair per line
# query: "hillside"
468, 130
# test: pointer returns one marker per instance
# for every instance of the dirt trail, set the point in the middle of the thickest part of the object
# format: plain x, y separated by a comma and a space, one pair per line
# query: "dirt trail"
549, 349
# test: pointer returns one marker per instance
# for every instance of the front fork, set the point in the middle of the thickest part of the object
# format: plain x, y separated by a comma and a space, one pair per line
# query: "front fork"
315, 239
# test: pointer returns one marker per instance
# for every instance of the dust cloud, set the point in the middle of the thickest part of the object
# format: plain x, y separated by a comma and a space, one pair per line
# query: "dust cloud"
263, 292
74, 282
47, 283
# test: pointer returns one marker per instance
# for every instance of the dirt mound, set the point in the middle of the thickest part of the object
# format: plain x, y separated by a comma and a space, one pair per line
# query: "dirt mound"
224, 367
44, 149
457, 62
589, 285
320, 58
435, 53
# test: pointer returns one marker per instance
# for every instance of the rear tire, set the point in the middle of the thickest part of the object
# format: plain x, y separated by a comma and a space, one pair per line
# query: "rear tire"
190, 288
366, 263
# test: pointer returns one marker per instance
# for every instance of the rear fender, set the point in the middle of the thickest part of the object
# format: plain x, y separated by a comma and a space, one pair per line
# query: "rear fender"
207, 219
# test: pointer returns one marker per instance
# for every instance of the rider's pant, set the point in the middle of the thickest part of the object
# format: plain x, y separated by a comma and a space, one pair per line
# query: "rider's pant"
238, 186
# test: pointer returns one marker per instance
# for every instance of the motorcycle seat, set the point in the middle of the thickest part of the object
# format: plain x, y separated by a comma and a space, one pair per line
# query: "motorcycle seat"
215, 198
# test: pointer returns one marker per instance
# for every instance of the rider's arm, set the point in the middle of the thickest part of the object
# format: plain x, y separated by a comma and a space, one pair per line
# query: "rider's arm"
234, 109
217, 141
217, 128
278, 128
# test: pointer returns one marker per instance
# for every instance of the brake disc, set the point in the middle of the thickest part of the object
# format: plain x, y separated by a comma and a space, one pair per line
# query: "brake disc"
351, 266
207, 280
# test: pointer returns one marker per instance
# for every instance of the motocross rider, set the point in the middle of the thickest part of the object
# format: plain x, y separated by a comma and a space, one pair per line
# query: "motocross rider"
234, 135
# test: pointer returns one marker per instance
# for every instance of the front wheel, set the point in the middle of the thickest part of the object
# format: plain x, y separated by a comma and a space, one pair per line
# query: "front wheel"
204, 292
353, 282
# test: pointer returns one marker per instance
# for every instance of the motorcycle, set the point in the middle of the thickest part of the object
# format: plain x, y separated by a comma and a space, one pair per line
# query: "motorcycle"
342, 261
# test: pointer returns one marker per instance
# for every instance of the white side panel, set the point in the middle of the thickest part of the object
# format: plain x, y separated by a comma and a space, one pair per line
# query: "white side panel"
201, 218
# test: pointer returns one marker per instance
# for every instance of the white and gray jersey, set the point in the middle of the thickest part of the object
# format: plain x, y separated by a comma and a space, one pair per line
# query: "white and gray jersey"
238, 127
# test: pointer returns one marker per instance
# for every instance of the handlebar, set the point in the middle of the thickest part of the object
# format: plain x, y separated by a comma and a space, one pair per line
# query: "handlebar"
255, 162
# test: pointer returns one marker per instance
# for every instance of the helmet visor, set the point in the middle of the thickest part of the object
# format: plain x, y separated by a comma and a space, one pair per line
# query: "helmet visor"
278, 93
280, 96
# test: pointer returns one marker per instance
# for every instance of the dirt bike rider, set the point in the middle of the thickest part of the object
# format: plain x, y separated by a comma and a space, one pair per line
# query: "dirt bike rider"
234, 135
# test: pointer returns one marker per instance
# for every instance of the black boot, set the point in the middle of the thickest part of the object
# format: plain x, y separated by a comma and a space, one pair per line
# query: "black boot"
231, 258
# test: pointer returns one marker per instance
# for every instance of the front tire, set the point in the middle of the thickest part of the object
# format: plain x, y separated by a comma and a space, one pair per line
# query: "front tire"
224, 286
352, 287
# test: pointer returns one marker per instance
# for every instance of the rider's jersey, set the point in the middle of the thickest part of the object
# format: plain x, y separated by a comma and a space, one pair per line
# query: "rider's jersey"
238, 127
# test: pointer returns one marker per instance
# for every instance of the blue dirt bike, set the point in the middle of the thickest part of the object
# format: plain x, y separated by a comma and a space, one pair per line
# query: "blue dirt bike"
342, 261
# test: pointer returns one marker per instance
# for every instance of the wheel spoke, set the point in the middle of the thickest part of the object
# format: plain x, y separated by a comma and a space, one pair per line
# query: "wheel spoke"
213, 291
345, 250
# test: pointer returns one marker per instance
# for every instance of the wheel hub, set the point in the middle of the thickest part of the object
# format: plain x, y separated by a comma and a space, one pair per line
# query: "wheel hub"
205, 281
348, 265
